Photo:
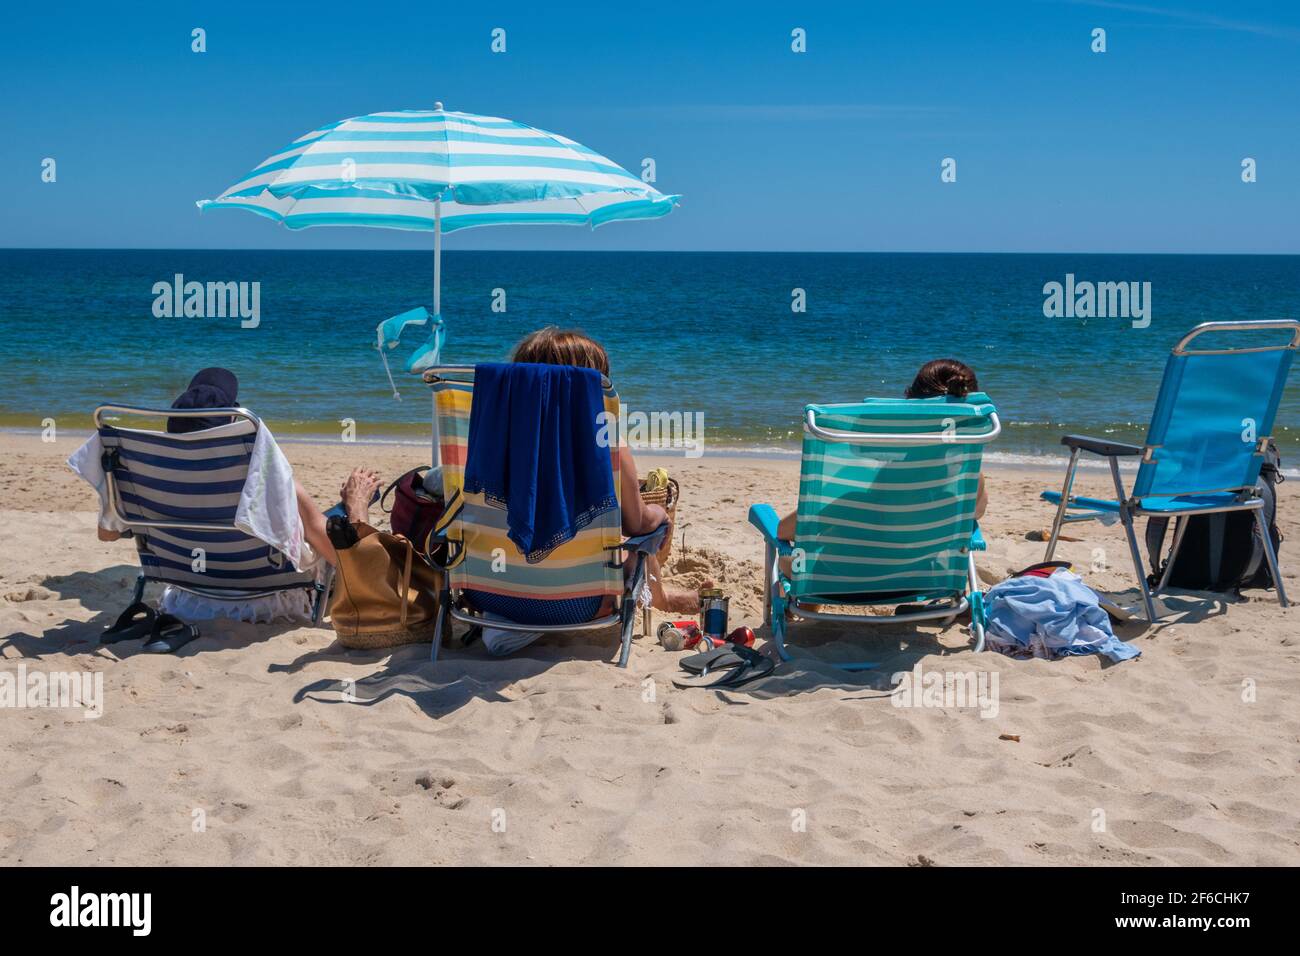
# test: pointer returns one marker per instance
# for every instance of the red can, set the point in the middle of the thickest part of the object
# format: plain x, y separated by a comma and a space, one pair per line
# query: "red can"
690, 631
741, 635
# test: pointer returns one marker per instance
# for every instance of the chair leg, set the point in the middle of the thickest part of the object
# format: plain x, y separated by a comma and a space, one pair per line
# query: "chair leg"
629, 609
138, 595
1059, 521
1126, 517
1180, 528
323, 589
1270, 555
629, 621
444, 622
779, 623
976, 600
769, 568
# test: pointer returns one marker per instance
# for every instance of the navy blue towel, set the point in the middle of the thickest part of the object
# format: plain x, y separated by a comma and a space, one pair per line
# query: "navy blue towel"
533, 451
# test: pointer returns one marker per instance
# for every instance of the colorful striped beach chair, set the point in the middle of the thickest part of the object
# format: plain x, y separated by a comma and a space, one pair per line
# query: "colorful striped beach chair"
886, 515
486, 574
178, 495
1209, 431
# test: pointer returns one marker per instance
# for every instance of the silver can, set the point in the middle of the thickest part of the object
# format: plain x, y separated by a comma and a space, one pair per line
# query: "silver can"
713, 614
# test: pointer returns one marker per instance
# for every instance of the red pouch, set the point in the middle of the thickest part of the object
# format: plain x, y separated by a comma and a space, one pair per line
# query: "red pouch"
414, 511
1044, 569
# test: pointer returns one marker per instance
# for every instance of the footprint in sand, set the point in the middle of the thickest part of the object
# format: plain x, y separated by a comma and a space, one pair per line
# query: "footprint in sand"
443, 790
29, 594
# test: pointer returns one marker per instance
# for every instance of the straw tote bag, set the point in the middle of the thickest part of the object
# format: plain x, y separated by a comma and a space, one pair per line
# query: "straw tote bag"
384, 594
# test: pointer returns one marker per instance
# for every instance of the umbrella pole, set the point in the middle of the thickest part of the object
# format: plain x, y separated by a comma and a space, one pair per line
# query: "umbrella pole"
436, 459
437, 257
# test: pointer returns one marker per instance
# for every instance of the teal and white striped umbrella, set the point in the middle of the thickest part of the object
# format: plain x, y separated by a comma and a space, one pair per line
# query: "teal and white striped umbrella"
443, 171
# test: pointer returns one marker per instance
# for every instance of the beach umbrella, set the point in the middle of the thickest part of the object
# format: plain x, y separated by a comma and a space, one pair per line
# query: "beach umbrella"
442, 171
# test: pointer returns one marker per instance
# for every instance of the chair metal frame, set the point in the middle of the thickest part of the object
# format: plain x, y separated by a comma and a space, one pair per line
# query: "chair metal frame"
450, 607
1131, 507
763, 517
320, 588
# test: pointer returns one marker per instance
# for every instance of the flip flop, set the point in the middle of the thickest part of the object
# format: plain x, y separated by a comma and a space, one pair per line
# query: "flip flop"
753, 665
169, 635
722, 657
129, 625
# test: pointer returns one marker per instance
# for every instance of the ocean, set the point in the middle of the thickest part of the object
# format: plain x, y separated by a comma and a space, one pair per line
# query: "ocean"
707, 333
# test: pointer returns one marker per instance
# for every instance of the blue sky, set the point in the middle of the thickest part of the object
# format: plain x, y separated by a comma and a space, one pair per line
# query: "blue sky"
839, 148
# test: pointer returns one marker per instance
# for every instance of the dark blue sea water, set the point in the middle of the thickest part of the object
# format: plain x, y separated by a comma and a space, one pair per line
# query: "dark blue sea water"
707, 332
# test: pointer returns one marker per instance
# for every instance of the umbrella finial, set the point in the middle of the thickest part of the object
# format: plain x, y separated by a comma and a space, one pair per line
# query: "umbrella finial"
438, 106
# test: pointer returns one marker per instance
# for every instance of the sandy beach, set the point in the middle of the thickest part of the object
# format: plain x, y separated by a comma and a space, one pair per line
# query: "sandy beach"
273, 745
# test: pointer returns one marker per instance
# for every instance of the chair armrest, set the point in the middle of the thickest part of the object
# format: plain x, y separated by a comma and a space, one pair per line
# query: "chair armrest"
977, 542
764, 518
1101, 446
649, 543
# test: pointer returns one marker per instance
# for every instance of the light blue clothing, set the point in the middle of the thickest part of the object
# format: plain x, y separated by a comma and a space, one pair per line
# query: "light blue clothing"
500, 642
1051, 617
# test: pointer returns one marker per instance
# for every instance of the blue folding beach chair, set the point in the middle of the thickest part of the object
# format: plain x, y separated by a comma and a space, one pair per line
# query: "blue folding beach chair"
1210, 429
178, 495
886, 515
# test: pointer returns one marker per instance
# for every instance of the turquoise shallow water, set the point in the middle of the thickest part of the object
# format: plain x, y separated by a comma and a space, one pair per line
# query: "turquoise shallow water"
712, 333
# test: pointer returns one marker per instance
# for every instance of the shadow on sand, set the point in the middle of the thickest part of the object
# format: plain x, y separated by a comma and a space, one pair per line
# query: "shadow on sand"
818, 646
463, 675
107, 593
459, 676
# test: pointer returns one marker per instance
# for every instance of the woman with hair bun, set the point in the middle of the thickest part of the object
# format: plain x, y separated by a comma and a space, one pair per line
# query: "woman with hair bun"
937, 377
943, 376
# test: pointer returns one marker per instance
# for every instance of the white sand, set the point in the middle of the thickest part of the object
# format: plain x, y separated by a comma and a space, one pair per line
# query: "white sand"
556, 756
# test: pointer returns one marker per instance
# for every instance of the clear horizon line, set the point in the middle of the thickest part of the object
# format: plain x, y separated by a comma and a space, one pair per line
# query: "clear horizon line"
756, 252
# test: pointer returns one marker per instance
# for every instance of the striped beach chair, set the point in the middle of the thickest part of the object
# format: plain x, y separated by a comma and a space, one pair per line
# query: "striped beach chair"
1205, 445
886, 515
178, 495
486, 574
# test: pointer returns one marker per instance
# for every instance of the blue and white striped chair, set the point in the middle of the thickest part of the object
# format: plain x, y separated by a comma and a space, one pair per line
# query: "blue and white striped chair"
178, 495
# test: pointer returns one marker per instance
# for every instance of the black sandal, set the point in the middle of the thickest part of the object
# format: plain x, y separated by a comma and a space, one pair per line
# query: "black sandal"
129, 626
169, 635
752, 665
722, 657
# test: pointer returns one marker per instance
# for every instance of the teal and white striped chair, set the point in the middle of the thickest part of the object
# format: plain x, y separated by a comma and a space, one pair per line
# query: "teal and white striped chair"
886, 514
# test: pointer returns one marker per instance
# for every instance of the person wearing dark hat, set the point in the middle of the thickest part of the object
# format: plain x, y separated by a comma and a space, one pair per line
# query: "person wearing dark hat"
286, 515
209, 388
